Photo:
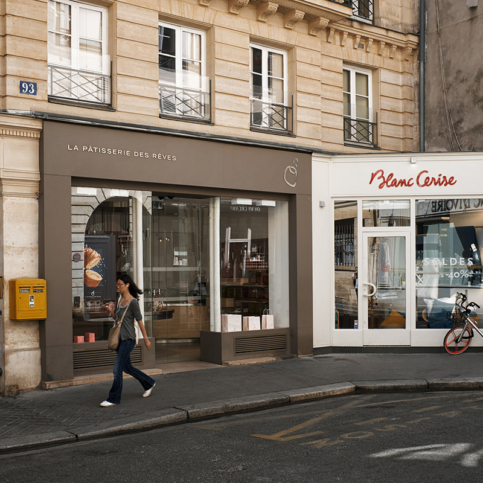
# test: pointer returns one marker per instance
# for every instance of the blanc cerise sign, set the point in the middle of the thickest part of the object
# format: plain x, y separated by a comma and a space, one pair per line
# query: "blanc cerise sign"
423, 179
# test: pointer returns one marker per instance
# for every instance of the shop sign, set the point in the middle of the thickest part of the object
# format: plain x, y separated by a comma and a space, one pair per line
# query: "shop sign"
110, 151
245, 208
447, 206
446, 268
449, 262
290, 175
423, 180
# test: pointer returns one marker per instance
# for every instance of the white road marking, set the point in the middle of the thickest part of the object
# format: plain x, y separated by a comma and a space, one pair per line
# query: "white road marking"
433, 452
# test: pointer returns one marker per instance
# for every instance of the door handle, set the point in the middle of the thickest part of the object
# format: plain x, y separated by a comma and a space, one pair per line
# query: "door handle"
374, 288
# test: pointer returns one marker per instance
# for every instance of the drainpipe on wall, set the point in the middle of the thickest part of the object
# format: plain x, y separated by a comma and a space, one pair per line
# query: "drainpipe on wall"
422, 52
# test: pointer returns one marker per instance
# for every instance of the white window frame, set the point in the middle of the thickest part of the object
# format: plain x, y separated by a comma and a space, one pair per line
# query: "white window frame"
266, 95
179, 52
75, 37
353, 96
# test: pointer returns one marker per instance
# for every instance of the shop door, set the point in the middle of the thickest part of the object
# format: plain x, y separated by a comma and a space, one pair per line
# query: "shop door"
180, 264
384, 290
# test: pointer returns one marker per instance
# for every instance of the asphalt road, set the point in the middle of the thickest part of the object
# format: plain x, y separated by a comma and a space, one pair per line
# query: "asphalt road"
365, 438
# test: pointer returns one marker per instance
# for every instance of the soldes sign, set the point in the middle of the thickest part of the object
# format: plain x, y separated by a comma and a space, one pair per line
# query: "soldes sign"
423, 180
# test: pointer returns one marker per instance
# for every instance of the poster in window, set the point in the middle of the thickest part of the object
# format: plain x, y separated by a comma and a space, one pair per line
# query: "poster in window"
99, 272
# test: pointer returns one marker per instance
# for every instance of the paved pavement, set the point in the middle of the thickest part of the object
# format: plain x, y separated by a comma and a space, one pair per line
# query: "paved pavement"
67, 415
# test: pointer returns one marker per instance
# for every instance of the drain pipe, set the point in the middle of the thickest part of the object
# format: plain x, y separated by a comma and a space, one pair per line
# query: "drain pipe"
422, 55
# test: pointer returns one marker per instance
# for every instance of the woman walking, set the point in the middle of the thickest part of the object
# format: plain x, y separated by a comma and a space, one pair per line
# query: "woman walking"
127, 306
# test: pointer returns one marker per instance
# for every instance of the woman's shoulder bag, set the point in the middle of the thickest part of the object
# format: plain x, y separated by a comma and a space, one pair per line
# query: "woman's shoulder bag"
115, 330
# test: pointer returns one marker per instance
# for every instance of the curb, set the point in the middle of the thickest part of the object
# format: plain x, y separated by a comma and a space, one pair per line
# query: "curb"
214, 409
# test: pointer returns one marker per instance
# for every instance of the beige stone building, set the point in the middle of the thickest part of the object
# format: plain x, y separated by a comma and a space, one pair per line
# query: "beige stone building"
290, 75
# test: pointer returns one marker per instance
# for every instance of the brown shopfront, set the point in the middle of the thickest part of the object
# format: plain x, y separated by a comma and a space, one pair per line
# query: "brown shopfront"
205, 228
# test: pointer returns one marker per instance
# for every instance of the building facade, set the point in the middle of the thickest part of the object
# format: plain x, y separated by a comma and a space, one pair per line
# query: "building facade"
453, 118
408, 226
173, 140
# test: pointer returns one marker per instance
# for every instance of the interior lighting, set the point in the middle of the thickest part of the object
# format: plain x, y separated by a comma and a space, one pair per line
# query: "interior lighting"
265, 203
241, 201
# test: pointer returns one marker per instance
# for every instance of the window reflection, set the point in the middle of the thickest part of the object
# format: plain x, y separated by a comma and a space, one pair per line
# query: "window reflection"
449, 239
253, 258
345, 262
386, 213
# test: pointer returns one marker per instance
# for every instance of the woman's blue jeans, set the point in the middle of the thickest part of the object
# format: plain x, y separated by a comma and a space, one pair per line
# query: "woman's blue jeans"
123, 364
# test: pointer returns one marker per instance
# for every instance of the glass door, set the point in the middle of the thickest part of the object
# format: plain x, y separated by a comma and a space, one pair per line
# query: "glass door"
385, 301
180, 268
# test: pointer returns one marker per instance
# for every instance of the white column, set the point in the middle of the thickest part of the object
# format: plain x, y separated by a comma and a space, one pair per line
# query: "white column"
278, 254
138, 272
215, 306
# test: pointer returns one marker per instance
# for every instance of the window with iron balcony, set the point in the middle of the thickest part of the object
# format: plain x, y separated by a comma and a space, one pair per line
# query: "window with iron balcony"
270, 105
360, 123
361, 9
79, 69
184, 89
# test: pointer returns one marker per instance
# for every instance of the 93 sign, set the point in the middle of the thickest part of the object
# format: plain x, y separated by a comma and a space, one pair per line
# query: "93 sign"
29, 88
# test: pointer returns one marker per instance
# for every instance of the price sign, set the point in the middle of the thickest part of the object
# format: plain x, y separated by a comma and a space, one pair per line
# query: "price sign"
29, 88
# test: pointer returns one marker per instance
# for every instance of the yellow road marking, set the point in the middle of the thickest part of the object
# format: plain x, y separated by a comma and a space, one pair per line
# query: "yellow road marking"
357, 435
417, 420
280, 436
319, 443
390, 427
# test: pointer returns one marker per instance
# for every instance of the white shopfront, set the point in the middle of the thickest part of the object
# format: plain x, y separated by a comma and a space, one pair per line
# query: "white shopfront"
395, 237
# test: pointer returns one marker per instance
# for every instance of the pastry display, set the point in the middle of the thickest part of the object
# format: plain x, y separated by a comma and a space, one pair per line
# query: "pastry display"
91, 278
91, 258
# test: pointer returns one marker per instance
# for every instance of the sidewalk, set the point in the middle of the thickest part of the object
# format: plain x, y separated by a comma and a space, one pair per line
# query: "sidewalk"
72, 414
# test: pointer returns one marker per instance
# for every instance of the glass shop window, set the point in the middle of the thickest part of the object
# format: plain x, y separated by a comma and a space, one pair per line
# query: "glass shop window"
106, 241
386, 213
449, 242
254, 258
345, 264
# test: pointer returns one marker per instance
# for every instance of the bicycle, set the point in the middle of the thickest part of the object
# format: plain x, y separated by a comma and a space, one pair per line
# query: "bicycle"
458, 338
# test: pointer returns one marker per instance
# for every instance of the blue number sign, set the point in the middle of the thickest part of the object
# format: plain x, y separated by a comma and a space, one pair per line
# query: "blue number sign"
28, 88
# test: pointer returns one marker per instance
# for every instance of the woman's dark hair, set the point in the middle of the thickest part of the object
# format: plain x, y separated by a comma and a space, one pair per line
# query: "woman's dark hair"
134, 290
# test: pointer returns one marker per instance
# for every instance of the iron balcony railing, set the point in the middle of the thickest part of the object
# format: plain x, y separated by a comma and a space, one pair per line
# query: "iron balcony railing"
271, 116
79, 85
184, 102
362, 9
360, 131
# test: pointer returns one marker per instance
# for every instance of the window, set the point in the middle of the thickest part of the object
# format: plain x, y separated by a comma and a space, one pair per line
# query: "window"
358, 125
184, 90
449, 249
345, 265
79, 67
269, 98
254, 250
362, 9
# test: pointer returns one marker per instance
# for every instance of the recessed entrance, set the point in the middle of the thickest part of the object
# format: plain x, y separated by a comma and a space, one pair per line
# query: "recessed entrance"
176, 276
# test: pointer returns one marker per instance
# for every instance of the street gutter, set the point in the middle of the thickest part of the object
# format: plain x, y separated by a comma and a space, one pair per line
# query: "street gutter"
215, 409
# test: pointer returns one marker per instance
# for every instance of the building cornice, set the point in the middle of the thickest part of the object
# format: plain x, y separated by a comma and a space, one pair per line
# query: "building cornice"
20, 127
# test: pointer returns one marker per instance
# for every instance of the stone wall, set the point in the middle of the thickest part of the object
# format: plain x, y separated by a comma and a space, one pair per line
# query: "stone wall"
19, 185
453, 113
319, 40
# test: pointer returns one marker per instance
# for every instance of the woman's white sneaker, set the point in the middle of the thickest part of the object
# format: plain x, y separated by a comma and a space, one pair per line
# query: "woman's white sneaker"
149, 391
106, 404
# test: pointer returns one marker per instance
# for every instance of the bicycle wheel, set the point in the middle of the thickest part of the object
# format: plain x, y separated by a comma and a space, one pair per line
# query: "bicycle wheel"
450, 341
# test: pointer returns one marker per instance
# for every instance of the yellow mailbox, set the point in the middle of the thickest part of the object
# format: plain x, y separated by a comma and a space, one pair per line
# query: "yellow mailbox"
28, 299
